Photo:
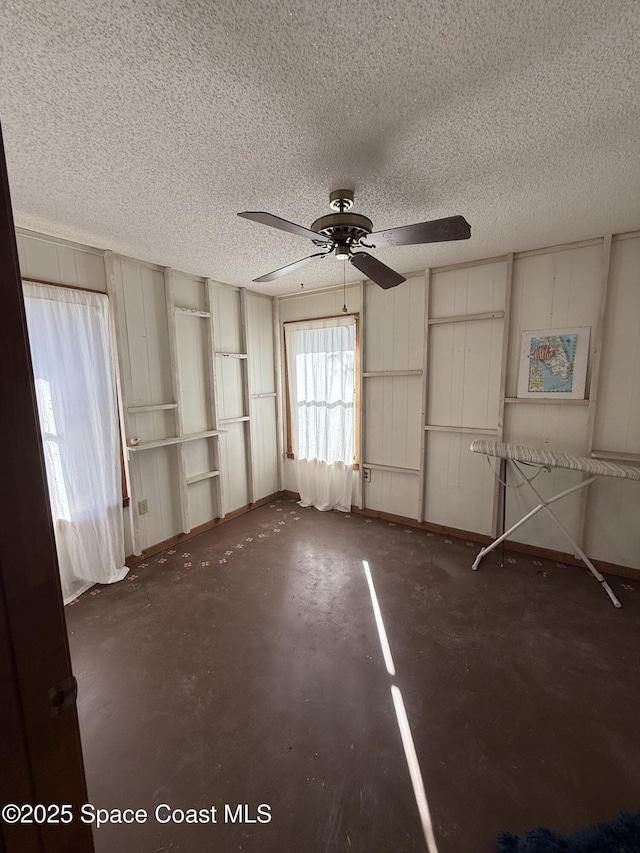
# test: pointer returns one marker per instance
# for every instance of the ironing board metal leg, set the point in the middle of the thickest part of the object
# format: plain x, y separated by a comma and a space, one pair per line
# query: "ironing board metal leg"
577, 548
542, 505
505, 535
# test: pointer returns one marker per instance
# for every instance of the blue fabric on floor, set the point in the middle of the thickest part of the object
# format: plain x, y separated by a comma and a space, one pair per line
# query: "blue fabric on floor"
621, 835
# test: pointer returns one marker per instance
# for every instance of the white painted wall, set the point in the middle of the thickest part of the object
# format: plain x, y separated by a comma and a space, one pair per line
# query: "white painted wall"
142, 333
233, 445
463, 382
262, 390
146, 380
618, 413
60, 262
247, 450
613, 532
393, 334
550, 289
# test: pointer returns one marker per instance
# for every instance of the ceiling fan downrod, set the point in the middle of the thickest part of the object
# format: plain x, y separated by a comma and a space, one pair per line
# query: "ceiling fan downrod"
341, 201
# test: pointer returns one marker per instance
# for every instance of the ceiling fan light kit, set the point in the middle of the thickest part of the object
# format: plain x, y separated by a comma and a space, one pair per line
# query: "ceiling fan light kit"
344, 233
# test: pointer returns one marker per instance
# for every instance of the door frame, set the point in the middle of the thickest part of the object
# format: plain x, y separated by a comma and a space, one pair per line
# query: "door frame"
40, 750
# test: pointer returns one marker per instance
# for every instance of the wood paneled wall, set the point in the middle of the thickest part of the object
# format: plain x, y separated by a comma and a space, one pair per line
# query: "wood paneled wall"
392, 344
614, 507
244, 387
60, 262
551, 291
463, 392
617, 425
457, 375
143, 349
456, 334
262, 389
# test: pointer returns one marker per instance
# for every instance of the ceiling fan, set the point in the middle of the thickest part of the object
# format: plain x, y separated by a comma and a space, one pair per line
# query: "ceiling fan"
345, 233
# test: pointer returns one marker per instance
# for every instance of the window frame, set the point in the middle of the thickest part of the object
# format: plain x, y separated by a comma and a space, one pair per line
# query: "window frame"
288, 428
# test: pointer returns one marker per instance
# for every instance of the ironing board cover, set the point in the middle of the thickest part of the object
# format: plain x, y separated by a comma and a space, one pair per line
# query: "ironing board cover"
553, 459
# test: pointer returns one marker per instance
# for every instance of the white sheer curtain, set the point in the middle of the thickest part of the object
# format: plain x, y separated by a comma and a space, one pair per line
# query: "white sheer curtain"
70, 340
321, 368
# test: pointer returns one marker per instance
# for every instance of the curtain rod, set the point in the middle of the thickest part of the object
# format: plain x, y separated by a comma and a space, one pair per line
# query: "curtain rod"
327, 317
57, 284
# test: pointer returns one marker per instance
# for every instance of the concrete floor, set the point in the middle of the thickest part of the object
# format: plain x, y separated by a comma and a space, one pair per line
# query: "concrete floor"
245, 667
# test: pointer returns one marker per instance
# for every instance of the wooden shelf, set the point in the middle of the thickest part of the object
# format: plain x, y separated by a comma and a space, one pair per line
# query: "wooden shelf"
546, 400
615, 456
176, 439
196, 478
463, 318
193, 312
392, 468
376, 373
478, 430
134, 410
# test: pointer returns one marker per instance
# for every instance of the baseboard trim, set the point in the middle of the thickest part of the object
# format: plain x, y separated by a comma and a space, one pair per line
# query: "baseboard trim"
482, 539
133, 560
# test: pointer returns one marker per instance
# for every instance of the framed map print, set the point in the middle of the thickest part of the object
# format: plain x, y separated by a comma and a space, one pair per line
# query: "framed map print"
553, 363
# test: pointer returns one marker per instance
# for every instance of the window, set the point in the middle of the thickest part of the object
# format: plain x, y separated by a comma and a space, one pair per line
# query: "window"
323, 409
73, 368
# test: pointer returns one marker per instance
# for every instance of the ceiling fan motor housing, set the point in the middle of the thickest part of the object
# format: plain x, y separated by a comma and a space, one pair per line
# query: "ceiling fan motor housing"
344, 229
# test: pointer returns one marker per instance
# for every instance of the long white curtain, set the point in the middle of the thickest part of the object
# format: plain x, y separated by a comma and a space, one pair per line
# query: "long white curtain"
70, 340
321, 368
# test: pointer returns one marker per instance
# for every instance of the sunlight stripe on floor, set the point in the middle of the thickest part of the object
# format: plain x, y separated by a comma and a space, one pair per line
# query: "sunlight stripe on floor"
403, 721
414, 769
384, 642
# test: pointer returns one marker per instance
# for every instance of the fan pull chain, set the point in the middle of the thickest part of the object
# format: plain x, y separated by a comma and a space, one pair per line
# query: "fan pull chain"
344, 287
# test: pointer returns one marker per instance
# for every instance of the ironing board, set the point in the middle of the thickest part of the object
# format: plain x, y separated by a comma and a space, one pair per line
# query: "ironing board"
517, 453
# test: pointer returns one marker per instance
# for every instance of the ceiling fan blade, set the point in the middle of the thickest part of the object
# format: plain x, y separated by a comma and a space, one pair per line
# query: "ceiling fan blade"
435, 231
283, 224
289, 268
374, 269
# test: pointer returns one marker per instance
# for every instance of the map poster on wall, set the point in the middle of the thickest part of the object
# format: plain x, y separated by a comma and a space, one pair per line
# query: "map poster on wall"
553, 363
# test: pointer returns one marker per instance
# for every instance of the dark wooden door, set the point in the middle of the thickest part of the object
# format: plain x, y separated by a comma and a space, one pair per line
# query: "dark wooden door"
40, 752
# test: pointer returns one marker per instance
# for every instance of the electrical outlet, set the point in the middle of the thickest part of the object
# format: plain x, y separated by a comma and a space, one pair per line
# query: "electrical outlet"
143, 507
367, 475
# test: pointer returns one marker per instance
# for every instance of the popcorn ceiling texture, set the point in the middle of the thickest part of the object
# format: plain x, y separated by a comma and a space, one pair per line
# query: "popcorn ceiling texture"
145, 127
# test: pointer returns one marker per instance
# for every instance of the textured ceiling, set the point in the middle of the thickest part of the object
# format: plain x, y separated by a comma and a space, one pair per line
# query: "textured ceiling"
146, 126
